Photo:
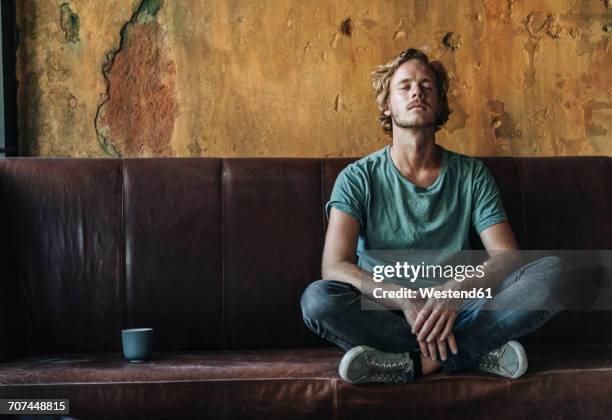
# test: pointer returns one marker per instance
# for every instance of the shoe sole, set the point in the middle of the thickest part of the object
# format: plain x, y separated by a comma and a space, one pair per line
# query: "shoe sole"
518, 348
347, 359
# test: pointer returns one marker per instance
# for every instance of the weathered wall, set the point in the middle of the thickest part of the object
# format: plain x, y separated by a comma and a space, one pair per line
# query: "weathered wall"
287, 78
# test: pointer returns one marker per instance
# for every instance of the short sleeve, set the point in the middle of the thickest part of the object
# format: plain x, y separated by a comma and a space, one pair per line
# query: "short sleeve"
348, 194
487, 207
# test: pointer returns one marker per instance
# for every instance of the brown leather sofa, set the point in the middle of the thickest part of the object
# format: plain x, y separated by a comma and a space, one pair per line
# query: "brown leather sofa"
214, 255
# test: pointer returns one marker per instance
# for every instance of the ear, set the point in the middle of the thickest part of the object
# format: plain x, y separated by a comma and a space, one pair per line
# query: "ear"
386, 110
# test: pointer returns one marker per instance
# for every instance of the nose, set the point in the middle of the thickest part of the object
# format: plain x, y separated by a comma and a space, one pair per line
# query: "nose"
417, 92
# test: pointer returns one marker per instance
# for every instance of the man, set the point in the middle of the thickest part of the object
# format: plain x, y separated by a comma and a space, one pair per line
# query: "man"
416, 195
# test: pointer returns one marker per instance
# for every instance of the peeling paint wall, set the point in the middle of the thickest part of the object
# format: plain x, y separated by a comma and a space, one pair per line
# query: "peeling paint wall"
137, 113
285, 78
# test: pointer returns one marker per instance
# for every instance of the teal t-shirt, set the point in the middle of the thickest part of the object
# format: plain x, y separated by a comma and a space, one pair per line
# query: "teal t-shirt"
395, 214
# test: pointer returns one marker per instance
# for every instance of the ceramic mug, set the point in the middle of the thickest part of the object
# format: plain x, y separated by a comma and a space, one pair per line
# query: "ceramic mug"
137, 343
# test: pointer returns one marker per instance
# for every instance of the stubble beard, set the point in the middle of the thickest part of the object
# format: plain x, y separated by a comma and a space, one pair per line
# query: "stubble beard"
405, 123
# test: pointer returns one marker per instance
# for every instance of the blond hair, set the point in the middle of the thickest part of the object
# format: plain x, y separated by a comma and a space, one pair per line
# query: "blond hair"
381, 79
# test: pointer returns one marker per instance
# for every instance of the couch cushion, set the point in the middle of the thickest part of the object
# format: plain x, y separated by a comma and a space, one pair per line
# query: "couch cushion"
64, 219
238, 384
567, 205
173, 261
562, 381
567, 202
272, 243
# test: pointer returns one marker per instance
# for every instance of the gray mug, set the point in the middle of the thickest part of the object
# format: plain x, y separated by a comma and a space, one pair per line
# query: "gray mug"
137, 343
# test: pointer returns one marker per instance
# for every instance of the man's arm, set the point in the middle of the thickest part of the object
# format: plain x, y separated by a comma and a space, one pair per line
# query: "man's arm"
339, 260
499, 237
339, 255
339, 264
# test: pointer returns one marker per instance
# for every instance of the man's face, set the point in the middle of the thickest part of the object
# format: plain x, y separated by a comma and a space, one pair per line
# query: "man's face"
413, 96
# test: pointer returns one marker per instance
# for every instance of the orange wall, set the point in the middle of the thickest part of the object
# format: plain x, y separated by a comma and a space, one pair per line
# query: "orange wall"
287, 78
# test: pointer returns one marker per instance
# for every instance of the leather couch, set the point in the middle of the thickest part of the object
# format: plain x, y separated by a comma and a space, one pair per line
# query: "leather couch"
214, 254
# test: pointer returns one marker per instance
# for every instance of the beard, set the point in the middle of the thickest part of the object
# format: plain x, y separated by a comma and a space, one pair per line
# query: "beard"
406, 122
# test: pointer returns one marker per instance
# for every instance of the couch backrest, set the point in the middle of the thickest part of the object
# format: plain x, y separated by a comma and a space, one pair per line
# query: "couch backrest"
215, 253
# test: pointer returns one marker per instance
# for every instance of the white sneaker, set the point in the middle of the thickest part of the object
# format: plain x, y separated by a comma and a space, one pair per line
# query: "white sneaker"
366, 364
509, 361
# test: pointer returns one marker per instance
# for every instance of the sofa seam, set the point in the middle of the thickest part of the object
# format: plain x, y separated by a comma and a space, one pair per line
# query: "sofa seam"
222, 192
334, 382
122, 271
322, 211
318, 379
523, 214
433, 379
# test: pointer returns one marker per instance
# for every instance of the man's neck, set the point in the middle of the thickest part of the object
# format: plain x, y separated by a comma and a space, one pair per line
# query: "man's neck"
414, 151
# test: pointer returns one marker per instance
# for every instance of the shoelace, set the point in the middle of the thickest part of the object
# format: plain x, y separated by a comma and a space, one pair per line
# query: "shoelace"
389, 365
490, 361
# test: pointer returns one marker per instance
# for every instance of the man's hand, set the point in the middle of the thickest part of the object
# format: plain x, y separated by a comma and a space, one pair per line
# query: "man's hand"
411, 317
433, 326
428, 349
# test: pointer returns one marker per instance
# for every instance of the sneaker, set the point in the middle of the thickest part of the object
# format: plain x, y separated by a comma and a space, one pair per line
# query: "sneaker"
509, 360
366, 364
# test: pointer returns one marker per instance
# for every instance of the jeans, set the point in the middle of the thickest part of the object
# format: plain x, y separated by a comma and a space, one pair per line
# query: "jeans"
332, 309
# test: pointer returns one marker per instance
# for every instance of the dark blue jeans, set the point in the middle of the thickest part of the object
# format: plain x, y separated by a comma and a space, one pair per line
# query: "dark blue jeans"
332, 309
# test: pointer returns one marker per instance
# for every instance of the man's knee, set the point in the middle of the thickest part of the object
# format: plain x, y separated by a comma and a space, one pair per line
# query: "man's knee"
552, 264
556, 280
556, 273
321, 296
549, 270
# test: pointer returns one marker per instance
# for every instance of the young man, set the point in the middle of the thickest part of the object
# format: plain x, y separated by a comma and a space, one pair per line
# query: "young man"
416, 195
